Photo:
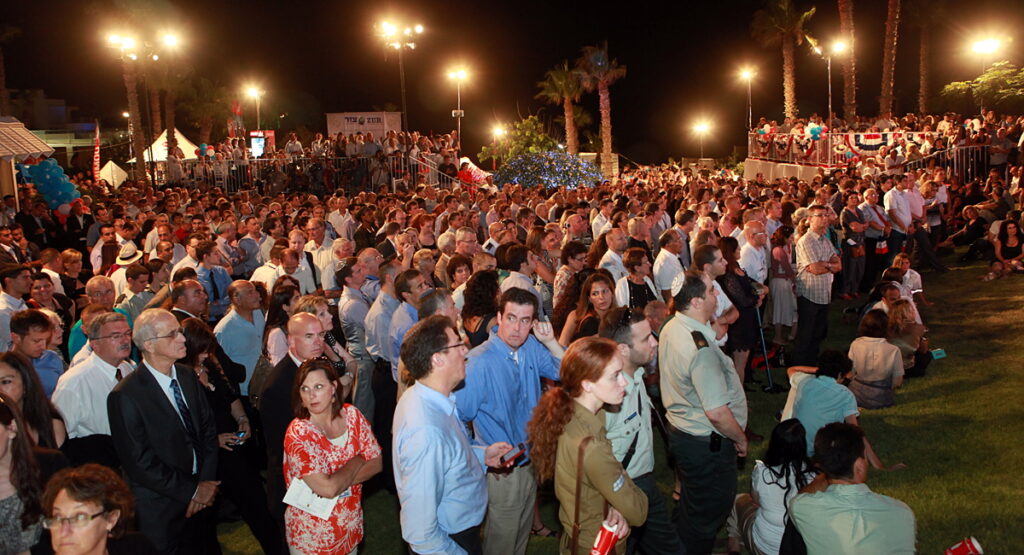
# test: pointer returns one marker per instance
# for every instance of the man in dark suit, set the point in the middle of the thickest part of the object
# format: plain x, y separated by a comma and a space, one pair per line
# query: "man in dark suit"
76, 227
36, 222
305, 341
164, 434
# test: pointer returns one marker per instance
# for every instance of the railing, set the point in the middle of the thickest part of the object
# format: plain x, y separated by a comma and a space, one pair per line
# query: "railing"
836, 150
318, 175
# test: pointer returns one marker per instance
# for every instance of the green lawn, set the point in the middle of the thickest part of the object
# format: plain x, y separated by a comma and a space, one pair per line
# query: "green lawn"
953, 428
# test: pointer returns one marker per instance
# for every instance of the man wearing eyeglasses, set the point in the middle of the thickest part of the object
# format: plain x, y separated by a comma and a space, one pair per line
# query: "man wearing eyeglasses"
81, 392
816, 264
165, 437
502, 388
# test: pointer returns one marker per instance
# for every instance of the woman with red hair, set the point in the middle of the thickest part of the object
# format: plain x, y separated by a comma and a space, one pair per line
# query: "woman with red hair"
569, 444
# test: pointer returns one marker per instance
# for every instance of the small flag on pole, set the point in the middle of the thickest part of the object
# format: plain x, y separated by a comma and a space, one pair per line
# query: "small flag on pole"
96, 155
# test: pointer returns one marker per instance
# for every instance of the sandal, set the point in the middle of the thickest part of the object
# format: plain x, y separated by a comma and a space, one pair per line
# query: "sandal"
545, 532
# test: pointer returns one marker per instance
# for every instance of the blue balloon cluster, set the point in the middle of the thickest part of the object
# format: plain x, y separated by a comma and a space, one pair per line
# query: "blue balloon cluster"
51, 182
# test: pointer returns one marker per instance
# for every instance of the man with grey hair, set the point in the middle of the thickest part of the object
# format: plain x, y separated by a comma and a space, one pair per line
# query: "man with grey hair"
341, 248
166, 438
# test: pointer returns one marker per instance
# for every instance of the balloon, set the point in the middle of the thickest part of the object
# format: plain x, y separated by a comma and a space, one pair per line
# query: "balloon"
849, 154
64, 209
202, 147
760, 131
197, 152
210, 151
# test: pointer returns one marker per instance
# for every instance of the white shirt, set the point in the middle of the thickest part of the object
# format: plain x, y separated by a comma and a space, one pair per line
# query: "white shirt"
754, 263
522, 281
120, 279
178, 254
81, 395
598, 224
622, 290
896, 203
164, 381
323, 256
666, 267
8, 306
267, 274
612, 262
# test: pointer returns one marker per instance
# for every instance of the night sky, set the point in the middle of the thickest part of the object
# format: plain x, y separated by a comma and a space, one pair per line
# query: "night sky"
682, 59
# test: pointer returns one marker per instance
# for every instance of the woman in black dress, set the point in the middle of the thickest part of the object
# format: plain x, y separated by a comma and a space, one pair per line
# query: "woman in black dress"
746, 294
481, 306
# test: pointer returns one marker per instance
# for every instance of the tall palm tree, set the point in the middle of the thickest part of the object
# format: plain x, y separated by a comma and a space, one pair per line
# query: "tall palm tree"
205, 102
561, 85
597, 72
925, 14
782, 23
7, 34
892, 21
846, 30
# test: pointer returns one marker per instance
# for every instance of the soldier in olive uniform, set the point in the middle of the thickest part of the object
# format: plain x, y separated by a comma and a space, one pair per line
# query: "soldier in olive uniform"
567, 422
707, 410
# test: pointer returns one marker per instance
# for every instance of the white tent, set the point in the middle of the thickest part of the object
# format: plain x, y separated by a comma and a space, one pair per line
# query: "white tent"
157, 152
113, 174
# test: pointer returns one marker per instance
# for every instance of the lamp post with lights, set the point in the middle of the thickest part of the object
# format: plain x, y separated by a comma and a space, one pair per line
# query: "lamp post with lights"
837, 48
498, 133
747, 74
255, 93
458, 75
129, 51
400, 40
701, 128
985, 48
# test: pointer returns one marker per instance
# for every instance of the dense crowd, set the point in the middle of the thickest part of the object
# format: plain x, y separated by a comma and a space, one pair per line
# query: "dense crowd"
266, 357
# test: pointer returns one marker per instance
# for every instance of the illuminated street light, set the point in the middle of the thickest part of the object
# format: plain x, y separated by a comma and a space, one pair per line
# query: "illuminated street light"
458, 75
701, 128
498, 131
125, 114
255, 93
171, 40
838, 47
389, 32
986, 46
747, 74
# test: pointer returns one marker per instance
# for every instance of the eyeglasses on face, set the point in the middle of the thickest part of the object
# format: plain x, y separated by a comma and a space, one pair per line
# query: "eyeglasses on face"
455, 346
116, 336
173, 335
79, 520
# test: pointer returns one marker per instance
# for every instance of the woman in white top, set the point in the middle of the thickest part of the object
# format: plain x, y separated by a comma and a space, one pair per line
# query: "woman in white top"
758, 518
636, 289
877, 364
275, 338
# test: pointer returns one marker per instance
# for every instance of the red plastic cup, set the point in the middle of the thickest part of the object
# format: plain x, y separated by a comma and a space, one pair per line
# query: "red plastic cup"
605, 541
969, 546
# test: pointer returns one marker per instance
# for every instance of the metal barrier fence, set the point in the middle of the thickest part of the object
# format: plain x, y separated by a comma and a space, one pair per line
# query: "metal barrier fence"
835, 150
316, 175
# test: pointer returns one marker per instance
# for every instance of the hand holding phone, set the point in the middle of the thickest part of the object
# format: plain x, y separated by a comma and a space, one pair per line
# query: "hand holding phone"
512, 455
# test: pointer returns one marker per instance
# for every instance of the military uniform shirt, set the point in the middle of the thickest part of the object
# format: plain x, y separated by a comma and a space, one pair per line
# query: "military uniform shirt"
696, 379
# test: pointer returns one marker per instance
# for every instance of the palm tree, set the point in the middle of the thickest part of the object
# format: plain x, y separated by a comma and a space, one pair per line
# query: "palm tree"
925, 15
7, 34
561, 85
597, 72
846, 30
205, 102
781, 23
892, 20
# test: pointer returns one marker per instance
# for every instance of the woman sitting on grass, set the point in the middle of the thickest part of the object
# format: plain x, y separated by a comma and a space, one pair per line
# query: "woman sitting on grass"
877, 364
908, 336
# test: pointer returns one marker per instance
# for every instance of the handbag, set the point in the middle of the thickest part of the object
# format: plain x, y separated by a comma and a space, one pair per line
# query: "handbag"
575, 538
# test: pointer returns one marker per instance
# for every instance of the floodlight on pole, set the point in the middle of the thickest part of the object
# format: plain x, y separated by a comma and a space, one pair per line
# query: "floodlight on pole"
458, 75
986, 46
747, 74
255, 93
388, 31
701, 128
171, 40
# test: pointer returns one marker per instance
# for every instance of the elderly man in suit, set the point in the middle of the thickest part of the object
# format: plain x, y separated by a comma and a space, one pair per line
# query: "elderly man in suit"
164, 434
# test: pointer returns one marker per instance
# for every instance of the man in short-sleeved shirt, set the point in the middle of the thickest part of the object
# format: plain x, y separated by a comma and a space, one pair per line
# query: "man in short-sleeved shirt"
667, 265
707, 410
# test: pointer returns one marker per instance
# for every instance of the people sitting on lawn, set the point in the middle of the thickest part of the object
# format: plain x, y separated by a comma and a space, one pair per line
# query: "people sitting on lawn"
877, 364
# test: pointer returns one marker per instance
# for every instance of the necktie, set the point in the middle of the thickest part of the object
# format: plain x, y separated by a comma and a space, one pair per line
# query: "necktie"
118, 374
186, 417
213, 285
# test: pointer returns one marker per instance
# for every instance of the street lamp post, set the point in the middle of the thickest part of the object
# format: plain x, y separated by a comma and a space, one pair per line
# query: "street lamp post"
984, 48
498, 132
256, 94
400, 41
838, 47
701, 128
747, 74
458, 75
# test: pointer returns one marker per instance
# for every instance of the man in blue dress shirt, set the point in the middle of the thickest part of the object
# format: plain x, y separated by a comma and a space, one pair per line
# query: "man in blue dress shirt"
502, 388
438, 474
213, 277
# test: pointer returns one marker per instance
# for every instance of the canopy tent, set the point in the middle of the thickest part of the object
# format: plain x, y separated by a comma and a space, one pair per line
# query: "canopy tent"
157, 152
113, 174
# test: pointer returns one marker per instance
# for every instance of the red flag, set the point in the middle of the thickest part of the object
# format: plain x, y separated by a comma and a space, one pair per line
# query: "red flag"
96, 155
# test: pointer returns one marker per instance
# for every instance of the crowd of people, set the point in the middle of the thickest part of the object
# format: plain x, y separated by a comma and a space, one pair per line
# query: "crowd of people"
174, 356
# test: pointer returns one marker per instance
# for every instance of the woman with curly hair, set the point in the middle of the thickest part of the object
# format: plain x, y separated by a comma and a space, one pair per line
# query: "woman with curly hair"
597, 297
569, 444
19, 476
88, 509
479, 313
574, 259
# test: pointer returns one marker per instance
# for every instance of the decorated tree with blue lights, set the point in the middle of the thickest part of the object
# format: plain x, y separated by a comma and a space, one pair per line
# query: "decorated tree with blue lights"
553, 168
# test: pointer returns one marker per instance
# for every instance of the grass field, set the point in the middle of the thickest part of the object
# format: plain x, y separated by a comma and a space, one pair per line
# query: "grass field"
953, 428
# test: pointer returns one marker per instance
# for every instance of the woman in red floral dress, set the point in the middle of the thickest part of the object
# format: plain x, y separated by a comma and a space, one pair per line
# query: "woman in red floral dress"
331, 448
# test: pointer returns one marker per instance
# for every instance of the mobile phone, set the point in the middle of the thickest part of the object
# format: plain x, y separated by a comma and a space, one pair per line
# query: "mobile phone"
240, 438
513, 454
716, 443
